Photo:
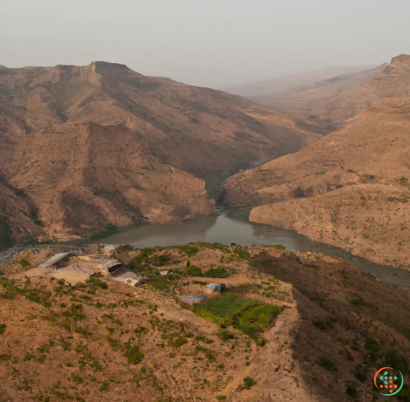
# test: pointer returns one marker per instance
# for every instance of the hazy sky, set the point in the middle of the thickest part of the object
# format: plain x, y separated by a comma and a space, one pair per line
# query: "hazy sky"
205, 42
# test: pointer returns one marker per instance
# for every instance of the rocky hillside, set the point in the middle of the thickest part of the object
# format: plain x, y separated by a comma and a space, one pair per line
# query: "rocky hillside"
393, 82
291, 327
306, 96
267, 88
349, 189
102, 144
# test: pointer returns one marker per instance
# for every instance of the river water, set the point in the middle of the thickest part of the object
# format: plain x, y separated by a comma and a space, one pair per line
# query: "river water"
233, 226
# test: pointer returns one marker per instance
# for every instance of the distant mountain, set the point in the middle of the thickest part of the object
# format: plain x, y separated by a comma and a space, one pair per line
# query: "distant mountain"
81, 147
268, 87
352, 188
330, 115
306, 96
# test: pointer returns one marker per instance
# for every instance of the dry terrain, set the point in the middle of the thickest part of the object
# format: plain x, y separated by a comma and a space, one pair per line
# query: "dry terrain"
83, 147
349, 189
291, 327
267, 88
330, 115
306, 96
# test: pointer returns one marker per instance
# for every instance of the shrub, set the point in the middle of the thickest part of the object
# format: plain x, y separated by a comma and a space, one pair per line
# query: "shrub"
404, 394
178, 342
351, 389
219, 272
24, 263
188, 250
346, 353
133, 354
248, 382
358, 301
323, 323
194, 271
5, 357
298, 192
103, 387
327, 363
361, 372
2, 328
393, 359
225, 335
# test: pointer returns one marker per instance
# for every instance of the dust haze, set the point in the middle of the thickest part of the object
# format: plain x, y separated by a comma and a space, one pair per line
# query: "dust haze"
207, 43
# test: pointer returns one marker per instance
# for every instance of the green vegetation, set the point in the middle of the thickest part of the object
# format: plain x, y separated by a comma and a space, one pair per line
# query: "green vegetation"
399, 362
219, 272
2, 328
241, 252
12, 290
402, 200
351, 389
34, 217
133, 354
188, 250
323, 323
24, 263
327, 363
346, 353
361, 372
194, 271
358, 301
225, 335
5, 357
109, 230
95, 282
404, 394
6, 236
248, 382
249, 316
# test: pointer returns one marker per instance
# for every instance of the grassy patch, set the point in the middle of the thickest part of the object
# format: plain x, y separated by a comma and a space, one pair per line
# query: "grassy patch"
249, 316
133, 354
188, 250
248, 382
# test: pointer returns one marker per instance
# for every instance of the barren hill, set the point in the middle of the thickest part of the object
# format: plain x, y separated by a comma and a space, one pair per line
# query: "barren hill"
306, 96
262, 88
393, 82
349, 189
100, 144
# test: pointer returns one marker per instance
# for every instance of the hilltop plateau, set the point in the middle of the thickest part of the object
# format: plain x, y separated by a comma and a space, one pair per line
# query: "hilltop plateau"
289, 327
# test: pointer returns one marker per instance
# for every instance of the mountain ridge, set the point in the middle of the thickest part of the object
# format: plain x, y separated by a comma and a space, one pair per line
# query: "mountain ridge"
125, 147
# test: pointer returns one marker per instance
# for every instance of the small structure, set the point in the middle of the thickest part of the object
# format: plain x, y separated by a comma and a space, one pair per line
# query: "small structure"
192, 299
216, 287
163, 273
115, 269
57, 260
138, 281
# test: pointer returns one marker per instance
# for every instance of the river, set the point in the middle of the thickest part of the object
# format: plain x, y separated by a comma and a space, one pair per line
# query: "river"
233, 226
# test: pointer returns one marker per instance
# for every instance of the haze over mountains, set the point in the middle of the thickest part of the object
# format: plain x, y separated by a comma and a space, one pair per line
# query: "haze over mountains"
349, 189
265, 88
305, 96
81, 147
